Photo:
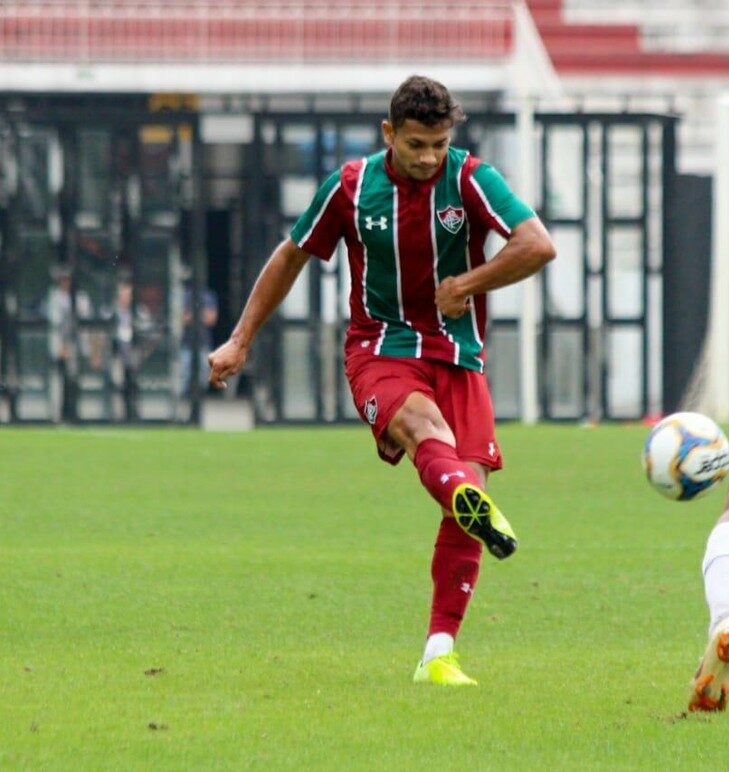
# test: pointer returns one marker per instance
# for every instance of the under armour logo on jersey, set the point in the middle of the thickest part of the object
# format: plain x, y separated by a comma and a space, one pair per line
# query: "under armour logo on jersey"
445, 476
380, 223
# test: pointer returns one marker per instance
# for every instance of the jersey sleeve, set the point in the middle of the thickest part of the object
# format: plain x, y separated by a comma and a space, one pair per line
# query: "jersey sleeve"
496, 204
320, 227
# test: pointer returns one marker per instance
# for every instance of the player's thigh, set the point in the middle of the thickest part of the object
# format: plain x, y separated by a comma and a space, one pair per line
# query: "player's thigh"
418, 418
465, 402
380, 386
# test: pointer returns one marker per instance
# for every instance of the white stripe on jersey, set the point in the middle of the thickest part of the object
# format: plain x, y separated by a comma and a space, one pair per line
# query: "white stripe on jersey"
474, 319
489, 208
319, 215
357, 193
436, 279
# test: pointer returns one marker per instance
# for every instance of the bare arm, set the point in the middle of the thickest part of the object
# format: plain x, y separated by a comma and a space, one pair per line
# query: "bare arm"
528, 249
271, 287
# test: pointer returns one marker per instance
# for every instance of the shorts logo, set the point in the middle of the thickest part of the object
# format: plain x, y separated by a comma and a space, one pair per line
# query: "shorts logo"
370, 410
451, 218
492, 449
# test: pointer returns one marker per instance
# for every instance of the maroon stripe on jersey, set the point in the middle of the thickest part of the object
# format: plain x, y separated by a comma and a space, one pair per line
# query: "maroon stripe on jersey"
415, 245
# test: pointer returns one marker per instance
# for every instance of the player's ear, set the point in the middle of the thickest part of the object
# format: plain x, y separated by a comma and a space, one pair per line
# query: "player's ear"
388, 132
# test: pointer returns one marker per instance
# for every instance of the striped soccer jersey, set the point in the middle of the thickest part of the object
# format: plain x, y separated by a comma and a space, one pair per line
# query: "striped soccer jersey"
403, 238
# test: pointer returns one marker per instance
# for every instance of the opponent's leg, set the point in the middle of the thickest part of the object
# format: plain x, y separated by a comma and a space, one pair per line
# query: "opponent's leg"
710, 685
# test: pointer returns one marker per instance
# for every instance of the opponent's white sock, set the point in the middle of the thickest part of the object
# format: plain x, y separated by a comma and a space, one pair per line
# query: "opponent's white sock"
437, 645
716, 575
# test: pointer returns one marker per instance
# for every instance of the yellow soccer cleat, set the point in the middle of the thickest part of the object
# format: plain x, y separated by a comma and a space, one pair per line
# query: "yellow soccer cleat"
710, 685
481, 519
444, 671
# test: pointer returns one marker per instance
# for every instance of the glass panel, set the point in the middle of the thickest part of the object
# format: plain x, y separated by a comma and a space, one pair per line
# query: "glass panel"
36, 256
345, 397
34, 376
296, 194
358, 141
298, 392
505, 302
565, 172
625, 171
34, 172
565, 373
502, 367
565, 276
95, 275
625, 372
159, 190
296, 303
297, 153
498, 146
625, 272
95, 168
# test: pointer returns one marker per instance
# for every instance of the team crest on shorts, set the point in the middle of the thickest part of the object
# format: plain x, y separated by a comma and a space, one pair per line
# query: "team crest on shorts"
451, 218
370, 410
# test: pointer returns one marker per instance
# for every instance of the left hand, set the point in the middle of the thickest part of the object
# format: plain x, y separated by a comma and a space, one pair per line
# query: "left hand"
449, 301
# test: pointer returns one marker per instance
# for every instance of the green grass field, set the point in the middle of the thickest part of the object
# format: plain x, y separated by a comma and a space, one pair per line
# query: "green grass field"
179, 600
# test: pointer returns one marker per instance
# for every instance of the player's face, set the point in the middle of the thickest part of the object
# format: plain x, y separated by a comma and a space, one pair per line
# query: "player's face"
417, 150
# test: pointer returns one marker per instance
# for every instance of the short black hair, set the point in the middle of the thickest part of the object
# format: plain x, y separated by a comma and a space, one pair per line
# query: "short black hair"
424, 100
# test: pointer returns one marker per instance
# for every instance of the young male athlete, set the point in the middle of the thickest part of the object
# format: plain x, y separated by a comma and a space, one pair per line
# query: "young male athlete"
710, 685
414, 218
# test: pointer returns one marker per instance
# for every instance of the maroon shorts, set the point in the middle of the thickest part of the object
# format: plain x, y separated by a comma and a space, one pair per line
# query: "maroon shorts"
381, 384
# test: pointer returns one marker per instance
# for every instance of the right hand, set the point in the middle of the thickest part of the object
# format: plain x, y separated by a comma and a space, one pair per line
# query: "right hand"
225, 361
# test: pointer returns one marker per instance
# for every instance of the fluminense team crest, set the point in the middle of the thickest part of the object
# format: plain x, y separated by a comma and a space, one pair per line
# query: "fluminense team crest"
370, 409
451, 218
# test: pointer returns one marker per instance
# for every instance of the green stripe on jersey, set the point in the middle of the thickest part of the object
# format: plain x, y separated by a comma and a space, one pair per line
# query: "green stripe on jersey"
377, 227
510, 209
303, 226
453, 252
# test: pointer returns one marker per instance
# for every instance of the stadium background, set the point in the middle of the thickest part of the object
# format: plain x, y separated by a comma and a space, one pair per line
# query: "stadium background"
155, 151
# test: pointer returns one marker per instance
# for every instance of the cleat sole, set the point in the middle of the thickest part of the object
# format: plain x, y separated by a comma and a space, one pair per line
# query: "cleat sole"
476, 514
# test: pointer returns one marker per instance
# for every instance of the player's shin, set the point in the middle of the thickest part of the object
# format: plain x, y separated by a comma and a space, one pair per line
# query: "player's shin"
442, 471
455, 568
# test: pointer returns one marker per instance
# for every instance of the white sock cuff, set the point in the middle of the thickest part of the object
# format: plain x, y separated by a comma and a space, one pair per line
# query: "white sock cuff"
717, 545
437, 645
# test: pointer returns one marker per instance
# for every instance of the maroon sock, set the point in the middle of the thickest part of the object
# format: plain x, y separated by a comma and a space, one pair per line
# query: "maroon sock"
456, 561
441, 471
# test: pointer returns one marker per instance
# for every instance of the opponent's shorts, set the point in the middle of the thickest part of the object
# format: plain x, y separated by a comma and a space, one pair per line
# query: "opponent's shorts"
381, 384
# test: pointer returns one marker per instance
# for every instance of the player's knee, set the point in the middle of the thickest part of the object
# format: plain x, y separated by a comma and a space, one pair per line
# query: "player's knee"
411, 425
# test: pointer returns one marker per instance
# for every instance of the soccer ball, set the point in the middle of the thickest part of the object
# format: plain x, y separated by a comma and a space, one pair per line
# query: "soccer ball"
685, 456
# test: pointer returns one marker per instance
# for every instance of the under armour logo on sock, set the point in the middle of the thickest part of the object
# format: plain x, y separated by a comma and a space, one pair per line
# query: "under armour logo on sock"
446, 476
467, 588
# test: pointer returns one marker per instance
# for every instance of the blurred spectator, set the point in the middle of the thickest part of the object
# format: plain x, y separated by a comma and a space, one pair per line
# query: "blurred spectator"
61, 310
208, 318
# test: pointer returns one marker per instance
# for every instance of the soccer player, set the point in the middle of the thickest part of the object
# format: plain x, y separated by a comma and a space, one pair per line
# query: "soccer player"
710, 685
415, 218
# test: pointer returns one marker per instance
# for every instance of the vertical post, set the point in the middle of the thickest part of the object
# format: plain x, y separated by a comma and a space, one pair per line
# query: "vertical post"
197, 259
528, 320
718, 351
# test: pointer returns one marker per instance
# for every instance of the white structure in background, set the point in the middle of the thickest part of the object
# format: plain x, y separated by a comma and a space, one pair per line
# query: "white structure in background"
709, 392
